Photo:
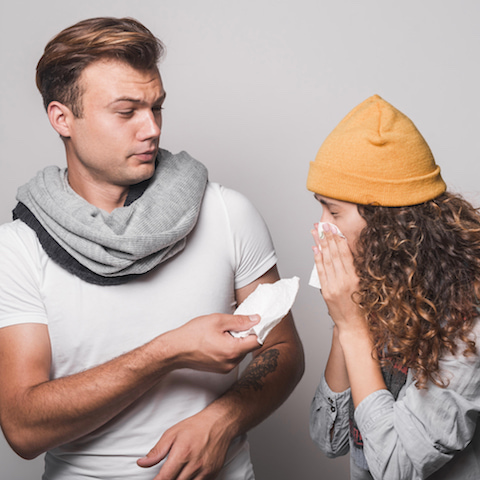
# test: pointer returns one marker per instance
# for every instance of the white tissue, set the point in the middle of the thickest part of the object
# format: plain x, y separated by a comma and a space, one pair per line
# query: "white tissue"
272, 301
314, 280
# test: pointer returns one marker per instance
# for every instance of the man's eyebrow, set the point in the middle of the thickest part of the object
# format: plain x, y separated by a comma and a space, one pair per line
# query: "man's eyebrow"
161, 98
137, 100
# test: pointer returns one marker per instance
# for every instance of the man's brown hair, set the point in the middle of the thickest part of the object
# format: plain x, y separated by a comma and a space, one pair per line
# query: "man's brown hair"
73, 49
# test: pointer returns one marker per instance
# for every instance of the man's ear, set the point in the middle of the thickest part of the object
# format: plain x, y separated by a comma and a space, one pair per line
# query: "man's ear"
60, 117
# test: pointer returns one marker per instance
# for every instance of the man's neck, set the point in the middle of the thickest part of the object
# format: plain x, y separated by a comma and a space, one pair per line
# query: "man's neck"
106, 197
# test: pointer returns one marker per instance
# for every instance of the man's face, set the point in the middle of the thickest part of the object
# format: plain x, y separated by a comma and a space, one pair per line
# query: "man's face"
115, 141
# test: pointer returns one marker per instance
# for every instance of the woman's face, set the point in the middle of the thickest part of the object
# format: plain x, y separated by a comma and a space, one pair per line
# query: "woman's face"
345, 216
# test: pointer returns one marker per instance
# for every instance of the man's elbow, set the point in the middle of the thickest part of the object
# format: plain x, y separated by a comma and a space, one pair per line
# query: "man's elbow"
22, 441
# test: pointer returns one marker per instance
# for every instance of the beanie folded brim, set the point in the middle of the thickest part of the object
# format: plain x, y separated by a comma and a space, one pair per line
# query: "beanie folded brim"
344, 186
376, 156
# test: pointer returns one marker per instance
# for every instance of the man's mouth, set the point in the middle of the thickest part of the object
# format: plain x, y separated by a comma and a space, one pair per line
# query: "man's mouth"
147, 155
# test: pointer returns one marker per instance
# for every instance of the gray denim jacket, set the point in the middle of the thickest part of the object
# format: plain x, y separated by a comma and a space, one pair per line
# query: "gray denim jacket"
430, 433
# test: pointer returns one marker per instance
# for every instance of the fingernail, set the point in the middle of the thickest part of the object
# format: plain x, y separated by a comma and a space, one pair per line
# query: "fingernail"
254, 318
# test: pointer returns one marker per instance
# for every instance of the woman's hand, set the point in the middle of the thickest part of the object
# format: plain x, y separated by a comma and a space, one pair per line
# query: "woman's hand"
353, 348
338, 278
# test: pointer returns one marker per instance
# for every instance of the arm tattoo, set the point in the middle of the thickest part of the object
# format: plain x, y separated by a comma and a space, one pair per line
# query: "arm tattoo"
260, 367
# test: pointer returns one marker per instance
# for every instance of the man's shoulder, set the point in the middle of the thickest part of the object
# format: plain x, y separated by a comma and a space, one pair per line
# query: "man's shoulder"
17, 234
21, 250
16, 228
227, 196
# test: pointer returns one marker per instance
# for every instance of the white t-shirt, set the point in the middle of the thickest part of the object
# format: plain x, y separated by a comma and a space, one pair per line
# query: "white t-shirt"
88, 325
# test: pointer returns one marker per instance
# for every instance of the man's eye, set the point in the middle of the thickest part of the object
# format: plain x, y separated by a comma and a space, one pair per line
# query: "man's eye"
126, 113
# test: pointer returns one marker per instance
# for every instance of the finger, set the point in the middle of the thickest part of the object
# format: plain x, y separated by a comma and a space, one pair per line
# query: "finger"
331, 261
317, 255
327, 247
239, 323
324, 239
155, 455
195, 469
326, 252
172, 469
317, 249
316, 236
245, 345
337, 247
346, 255
330, 243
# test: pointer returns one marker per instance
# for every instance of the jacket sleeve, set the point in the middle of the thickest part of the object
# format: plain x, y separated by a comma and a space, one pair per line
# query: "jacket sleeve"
413, 437
329, 423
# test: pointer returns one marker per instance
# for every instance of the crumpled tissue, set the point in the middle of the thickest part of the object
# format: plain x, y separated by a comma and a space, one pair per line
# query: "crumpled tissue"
272, 301
314, 280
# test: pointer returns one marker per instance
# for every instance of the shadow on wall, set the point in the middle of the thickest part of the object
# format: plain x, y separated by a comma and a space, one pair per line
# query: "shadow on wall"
275, 453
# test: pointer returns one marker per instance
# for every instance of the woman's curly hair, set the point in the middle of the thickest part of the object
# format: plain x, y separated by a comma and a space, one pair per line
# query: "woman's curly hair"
419, 272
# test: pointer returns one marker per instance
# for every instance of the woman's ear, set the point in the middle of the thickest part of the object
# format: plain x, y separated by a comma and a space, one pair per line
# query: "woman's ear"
60, 117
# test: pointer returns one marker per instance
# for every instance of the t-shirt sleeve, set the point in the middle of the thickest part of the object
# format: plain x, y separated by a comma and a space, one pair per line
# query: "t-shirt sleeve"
253, 250
20, 278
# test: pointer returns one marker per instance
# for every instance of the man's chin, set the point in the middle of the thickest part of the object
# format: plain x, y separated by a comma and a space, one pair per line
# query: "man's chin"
143, 173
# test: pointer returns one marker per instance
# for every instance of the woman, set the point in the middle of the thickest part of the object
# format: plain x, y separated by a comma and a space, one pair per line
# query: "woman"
401, 388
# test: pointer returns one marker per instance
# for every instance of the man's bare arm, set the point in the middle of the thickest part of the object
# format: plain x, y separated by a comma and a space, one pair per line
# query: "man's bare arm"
37, 413
198, 445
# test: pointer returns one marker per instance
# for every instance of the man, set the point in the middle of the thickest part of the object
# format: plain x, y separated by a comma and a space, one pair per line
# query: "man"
109, 276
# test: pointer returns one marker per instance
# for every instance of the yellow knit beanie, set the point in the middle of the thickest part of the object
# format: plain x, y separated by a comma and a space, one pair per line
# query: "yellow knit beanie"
377, 156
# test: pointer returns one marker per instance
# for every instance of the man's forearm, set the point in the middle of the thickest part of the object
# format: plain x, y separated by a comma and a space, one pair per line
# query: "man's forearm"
264, 385
206, 436
271, 376
53, 412
38, 414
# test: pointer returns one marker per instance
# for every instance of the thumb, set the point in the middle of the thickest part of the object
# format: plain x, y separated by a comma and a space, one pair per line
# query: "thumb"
245, 321
155, 455
240, 323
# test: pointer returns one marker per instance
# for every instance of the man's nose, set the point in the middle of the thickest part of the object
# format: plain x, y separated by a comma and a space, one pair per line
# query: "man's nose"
150, 127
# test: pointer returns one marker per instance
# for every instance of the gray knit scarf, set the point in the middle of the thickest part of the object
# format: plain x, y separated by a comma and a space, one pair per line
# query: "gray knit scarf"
111, 248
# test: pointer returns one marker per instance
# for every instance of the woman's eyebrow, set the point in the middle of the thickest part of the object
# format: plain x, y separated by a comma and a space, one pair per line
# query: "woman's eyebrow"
324, 202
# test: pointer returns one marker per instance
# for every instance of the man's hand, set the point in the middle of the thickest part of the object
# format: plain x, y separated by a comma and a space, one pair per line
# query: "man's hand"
196, 448
205, 343
34, 413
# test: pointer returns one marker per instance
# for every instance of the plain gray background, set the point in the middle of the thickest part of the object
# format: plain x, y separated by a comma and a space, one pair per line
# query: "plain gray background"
254, 87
